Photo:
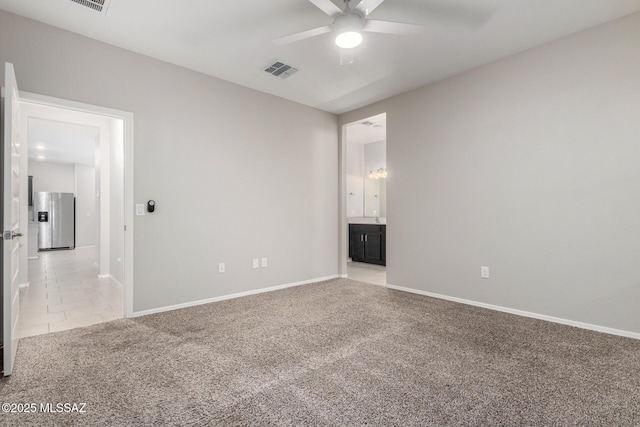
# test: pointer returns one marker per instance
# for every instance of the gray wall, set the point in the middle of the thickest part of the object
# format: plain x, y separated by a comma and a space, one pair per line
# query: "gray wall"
531, 166
52, 177
236, 174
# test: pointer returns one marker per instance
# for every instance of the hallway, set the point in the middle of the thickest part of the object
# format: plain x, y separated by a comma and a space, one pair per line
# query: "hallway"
66, 293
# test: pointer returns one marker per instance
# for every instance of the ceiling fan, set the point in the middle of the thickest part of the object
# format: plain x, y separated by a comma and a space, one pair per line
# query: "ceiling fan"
348, 25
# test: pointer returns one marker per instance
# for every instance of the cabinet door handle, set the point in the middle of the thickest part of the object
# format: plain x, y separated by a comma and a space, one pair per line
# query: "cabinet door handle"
365, 237
362, 237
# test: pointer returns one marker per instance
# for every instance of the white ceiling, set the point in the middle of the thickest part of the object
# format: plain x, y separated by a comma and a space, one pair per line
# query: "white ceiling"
232, 39
60, 135
372, 129
61, 142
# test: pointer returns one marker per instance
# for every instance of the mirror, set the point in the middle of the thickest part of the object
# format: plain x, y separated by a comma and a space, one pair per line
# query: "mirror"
371, 197
366, 180
366, 167
375, 203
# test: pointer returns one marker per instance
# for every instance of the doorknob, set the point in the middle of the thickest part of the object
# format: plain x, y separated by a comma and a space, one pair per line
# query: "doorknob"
8, 235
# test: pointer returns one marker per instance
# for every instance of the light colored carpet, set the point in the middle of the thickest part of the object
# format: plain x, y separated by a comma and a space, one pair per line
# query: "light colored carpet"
333, 353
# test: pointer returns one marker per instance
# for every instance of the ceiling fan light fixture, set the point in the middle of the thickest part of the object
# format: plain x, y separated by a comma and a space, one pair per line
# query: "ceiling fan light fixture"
349, 39
348, 29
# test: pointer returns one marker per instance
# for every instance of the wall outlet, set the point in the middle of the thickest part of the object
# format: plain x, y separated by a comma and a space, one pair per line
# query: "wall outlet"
140, 209
256, 263
221, 268
264, 262
484, 272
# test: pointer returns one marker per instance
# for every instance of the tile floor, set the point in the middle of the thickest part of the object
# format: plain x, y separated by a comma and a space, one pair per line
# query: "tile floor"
66, 293
369, 273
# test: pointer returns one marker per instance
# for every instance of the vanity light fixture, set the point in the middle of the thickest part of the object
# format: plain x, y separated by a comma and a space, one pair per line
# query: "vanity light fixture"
380, 173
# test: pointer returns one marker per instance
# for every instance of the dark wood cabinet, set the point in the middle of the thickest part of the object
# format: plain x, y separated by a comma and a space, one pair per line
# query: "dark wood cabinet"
367, 243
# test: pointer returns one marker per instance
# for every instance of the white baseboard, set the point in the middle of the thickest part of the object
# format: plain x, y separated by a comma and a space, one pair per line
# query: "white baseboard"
343, 276
581, 325
33, 257
25, 285
103, 276
230, 296
85, 247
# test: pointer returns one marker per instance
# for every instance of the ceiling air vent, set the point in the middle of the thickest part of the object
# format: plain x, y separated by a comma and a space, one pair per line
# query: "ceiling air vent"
99, 6
280, 69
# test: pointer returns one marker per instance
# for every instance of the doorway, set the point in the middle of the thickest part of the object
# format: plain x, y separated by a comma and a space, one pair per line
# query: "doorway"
365, 199
79, 150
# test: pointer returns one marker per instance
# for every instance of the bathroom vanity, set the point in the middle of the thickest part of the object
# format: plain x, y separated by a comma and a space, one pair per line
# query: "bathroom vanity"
367, 243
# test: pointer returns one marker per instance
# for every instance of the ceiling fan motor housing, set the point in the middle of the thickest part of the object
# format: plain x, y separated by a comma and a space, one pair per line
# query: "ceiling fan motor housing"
348, 22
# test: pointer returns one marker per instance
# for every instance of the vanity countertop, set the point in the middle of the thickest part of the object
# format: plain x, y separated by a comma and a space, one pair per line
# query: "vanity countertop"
366, 220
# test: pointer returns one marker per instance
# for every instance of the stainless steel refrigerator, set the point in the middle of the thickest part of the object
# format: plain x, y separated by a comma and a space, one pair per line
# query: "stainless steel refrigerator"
56, 217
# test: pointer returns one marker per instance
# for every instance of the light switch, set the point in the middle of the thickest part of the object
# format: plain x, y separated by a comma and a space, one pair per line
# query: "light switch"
484, 272
264, 262
139, 209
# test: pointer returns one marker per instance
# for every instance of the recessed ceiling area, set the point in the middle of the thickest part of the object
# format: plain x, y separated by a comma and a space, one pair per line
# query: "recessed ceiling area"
233, 40
372, 129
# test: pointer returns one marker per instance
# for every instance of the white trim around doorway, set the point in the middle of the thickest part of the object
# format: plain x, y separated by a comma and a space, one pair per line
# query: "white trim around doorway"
127, 118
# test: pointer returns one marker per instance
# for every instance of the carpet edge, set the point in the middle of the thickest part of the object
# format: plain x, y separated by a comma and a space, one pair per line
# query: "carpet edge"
522, 313
230, 296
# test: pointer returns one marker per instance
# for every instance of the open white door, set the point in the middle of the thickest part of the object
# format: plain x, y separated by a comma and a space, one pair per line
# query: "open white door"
10, 217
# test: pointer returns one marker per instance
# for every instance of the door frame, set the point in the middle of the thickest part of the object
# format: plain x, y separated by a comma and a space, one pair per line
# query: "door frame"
343, 218
127, 118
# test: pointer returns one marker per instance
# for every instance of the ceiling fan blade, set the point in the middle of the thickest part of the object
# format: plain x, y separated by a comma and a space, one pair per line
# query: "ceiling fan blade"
440, 12
388, 27
368, 6
328, 7
302, 35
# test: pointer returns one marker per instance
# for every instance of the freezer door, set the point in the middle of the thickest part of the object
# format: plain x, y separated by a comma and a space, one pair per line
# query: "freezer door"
42, 207
62, 220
